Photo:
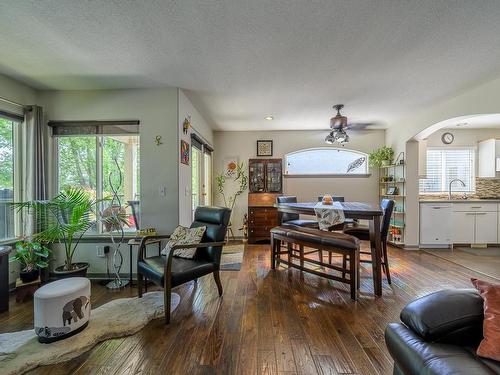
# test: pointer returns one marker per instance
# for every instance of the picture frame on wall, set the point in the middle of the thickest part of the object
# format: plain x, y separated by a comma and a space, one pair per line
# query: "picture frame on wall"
264, 147
184, 152
230, 165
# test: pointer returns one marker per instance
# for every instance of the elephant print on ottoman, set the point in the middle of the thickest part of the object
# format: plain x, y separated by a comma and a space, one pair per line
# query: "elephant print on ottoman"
62, 308
73, 309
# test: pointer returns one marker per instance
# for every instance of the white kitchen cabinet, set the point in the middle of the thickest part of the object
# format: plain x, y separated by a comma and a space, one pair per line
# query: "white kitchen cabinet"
463, 227
459, 222
435, 224
486, 227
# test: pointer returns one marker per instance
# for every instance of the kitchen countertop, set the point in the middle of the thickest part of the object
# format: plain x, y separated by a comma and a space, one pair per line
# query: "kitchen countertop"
456, 200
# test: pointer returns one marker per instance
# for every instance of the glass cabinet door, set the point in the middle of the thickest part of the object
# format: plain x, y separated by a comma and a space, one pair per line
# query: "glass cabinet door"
273, 176
257, 177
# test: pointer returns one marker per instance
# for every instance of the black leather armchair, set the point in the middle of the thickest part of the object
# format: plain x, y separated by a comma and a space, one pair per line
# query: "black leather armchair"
170, 271
439, 334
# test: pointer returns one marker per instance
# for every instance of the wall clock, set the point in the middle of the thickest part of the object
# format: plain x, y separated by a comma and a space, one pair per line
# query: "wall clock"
447, 138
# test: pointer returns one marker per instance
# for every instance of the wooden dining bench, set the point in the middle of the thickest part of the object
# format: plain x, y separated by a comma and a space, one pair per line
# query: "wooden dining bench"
332, 242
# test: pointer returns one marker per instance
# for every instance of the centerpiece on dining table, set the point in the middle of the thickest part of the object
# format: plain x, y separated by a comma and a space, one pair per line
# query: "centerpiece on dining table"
327, 200
328, 217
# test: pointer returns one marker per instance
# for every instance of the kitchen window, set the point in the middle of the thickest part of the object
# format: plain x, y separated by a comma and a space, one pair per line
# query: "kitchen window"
326, 161
446, 164
90, 155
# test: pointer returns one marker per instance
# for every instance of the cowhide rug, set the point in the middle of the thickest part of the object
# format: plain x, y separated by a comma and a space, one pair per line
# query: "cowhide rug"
21, 351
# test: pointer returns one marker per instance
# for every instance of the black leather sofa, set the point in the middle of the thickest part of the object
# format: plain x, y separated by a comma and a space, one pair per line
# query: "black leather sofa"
439, 334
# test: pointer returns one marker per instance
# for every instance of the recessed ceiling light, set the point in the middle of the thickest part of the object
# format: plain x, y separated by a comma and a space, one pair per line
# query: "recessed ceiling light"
269, 118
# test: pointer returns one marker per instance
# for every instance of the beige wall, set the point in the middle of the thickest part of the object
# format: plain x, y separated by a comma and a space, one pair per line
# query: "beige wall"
16, 92
200, 127
463, 137
157, 110
243, 145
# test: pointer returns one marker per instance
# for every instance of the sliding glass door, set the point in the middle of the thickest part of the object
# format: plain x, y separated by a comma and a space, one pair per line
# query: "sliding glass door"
207, 177
201, 174
196, 174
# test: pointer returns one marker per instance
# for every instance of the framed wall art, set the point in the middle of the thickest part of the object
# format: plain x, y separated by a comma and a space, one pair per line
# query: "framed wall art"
230, 165
184, 152
264, 148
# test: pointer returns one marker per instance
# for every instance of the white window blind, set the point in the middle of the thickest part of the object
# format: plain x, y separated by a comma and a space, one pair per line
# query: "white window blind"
446, 164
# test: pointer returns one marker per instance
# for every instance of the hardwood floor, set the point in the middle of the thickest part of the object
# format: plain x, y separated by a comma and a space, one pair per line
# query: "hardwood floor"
268, 322
486, 261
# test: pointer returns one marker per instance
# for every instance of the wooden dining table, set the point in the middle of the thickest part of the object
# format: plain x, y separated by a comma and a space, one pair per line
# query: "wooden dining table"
354, 210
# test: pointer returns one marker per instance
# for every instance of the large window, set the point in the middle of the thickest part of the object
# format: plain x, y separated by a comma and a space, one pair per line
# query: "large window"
326, 161
95, 161
6, 178
446, 164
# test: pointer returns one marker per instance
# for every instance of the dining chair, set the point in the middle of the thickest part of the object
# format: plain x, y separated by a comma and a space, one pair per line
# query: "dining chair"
293, 219
170, 271
363, 233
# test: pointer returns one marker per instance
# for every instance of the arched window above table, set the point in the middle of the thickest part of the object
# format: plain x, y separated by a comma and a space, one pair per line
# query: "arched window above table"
326, 161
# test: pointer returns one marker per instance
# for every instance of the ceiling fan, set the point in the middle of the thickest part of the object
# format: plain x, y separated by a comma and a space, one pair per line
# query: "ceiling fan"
339, 125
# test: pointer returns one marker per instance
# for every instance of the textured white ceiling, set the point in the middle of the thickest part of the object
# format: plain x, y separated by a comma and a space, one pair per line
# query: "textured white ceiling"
242, 60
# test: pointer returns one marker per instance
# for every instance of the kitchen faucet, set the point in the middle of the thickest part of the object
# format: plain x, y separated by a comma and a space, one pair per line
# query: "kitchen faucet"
451, 182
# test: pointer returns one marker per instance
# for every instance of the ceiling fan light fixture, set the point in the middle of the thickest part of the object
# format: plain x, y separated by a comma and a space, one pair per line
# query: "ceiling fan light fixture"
338, 121
330, 138
341, 136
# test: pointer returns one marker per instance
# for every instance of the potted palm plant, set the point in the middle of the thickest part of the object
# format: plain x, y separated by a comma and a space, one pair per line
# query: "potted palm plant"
32, 257
65, 219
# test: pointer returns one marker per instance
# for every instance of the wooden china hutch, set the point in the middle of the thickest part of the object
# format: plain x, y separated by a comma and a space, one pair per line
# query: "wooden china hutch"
265, 183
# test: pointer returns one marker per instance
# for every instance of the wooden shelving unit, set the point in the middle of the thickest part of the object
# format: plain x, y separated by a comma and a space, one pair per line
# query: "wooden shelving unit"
393, 176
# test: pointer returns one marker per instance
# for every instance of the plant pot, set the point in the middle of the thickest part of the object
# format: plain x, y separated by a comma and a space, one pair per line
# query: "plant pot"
385, 163
29, 276
79, 271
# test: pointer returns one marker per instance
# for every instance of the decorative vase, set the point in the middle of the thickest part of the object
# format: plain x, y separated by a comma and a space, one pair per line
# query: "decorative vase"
29, 276
385, 163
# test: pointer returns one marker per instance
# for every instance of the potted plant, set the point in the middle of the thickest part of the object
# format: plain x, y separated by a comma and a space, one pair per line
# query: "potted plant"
238, 176
65, 219
32, 257
381, 157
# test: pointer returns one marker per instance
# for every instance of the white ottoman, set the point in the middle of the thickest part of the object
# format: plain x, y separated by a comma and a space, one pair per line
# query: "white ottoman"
62, 308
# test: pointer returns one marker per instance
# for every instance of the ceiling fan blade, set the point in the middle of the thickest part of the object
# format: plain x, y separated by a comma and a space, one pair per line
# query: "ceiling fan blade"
360, 125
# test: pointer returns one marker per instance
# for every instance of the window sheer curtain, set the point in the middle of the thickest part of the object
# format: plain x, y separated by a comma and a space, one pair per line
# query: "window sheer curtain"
34, 163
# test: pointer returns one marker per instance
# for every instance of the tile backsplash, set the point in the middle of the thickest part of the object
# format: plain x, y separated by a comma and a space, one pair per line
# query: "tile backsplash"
488, 187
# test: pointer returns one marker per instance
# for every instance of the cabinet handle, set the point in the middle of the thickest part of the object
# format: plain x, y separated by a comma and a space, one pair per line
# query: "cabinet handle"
480, 213
476, 206
436, 208
470, 213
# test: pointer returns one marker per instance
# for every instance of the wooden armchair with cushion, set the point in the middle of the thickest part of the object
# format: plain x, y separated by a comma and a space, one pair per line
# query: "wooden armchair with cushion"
170, 271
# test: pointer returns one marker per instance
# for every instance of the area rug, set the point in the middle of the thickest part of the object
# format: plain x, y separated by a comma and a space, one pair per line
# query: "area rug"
21, 351
232, 257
